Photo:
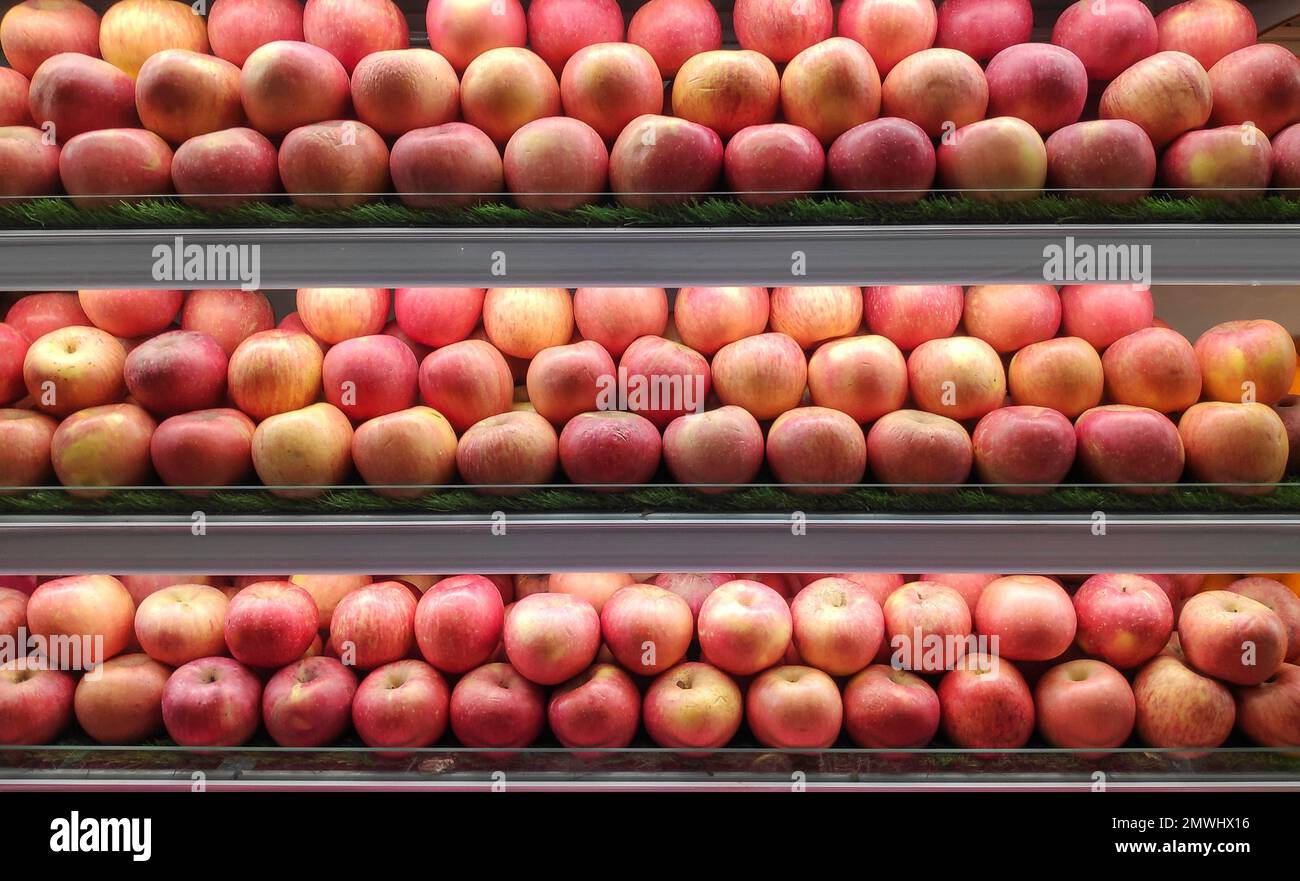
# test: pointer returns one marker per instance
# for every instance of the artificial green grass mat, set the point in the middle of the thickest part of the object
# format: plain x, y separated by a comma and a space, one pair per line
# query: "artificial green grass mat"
1189, 499
711, 211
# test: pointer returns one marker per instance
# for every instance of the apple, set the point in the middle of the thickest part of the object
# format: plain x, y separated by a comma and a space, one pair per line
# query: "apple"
505, 88
959, 377
940, 90
1280, 599
610, 447
885, 708
132, 31
99, 167
983, 28
494, 706
353, 29
863, 376
270, 624
122, 702
1027, 617
694, 706
1287, 409
714, 449
1258, 86
1246, 361
556, 164
1233, 162
1228, 636
709, 318
13, 351
35, 703
986, 704
311, 447
837, 625
238, 27
673, 31
595, 588
551, 637
35, 315
891, 30
831, 87
615, 317
1102, 313
182, 623
222, 170
918, 448
31, 164
794, 707
227, 316
662, 160
459, 622
399, 90
692, 587
374, 626
13, 612
415, 447
1124, 620
370, 376
781, 30
928, 627
909, 315
466, 382
663, 380
518, 448
1235, 444
103, 446
462, 30
765, 374
1023, 449
403, 704
334, 164
1127, 446
648, 629
994, 160
275, 371
812, 315
327, 591
1045, 85
1267, 713
1206, 29
600, 708
1109, 38
523, 321
744, 627
607, 85
308, 703
212, 702
177, 372
969, 584
1178, 707
558, 29
1183, 87
438, 317
1084, 704
127, 314
1010, 317
77, 94
34, 30
449, 165
1108, 160
727, 90
840, 447
1155, 367
285, 84
1064, 374
141, 587
181, 94
773, 163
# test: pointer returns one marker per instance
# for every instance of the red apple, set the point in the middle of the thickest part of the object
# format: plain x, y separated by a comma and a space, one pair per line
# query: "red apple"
1244, 361
494, 706
100, 167
941, 90
983, 28
886, 708
270, 624
716, 448
615, 317
309, 703
521, 322
663, 380
794, 707
1023, 449
1064, 374
374, 626
285, 84
837, 625
600, 708
607, 85
34, 30
130, 314
15, 109
1280, 599
610, 447
35, 702
35, 315
78, 94
596, 588
462, 30
1155, 367
909, 315
222, 170
467, 382
709, 318
1257, 86
459, 622
1123, 619
505, 88
994, 160
1109, 160
764, 374
928, 626
959, 377
181, 94
182, 623
1229, 636
212, 702
891, 30
986, 704
661, 160
556, 164
400, 90
551, 637
918, 448
403, 704
31, 164
1227, 444
831, 87
1232, 163
863, 376
1206, 29
134, 30
275, 371
692, 587
648, 629
781, 30
886, 160
817, 448
1027, 617
1184, 96
1045, 85
1123, 445
727, 90
327, 591
13, 611
1178, 707
1108, 38
177, 372
438, 317
410, 448
695, 706
227, 316
334, 164
449, 165
237, 27
519, 448
370, 376
103, 446
311, 447
773, 163
1269, 713
1085, 704
122, 702
744, 627
674, 30
1102, 313
352, 29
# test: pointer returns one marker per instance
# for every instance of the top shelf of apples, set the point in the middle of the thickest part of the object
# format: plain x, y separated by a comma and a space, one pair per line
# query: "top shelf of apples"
895, 105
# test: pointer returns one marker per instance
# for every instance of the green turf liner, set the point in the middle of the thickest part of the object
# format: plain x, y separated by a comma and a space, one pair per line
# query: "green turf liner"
712, 211
1189, 499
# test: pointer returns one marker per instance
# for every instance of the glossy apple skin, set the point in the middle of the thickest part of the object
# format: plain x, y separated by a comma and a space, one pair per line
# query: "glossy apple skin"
84, 608
550, 637
212, 702
986, 704
1085, 704
837, 625
744, 627
794, 707
1125, 620
693, 706
1280, 599
35, 30
1269, 713
403, 704
886, 708
374, 626
494, 706
599, 708
1031, 616
35, 704
309, 703
1215, 626
270, 624
123, 703
182, 623
919, 613
1178, 707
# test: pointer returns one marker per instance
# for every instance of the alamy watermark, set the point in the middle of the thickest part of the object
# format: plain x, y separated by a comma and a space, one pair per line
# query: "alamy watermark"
180, 262
1074, 263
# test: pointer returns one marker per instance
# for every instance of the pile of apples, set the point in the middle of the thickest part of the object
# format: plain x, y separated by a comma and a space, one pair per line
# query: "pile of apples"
1020, 386
986, 659
330, 104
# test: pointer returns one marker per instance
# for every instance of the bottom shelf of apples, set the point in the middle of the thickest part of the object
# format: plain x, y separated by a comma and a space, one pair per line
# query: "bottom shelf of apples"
680, 661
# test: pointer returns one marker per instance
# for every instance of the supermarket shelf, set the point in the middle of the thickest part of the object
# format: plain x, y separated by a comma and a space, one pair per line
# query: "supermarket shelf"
1065, 544
668, 257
